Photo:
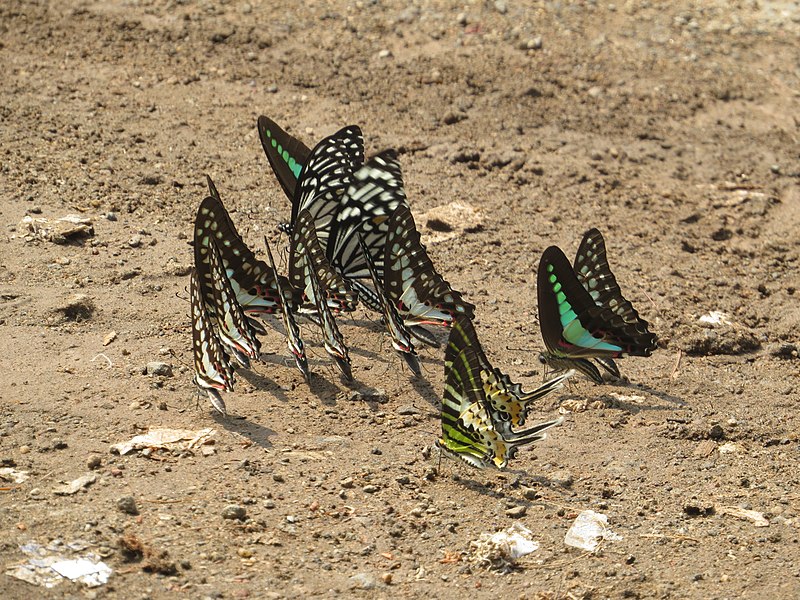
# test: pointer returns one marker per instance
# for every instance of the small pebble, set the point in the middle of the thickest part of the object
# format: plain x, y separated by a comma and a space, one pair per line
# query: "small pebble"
370, 489
127, 504
516, 512
94, 462
347, 483
158, 368
461, 18
234, 512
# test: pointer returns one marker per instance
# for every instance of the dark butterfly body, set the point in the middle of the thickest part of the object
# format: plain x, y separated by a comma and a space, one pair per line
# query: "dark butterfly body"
507, 401
418, 292
583, 314
286, 154
305, 255
293, 339
399, 335
252, 281
469, 430
212, 370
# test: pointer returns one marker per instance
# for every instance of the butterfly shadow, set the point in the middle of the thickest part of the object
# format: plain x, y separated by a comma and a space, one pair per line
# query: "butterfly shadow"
262, 382
323, 389
241, 425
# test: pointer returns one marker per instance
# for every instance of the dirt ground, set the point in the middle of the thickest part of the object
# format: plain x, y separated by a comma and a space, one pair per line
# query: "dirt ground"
671, 126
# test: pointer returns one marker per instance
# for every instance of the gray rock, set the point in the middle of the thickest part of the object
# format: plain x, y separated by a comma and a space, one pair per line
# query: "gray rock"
234, 512
370, 489
363, 581
516, 512
562, 478
407, 409
158, 368
127, 504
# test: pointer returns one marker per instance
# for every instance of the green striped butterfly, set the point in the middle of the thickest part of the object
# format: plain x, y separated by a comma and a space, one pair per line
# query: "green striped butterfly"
469, 431
507, 402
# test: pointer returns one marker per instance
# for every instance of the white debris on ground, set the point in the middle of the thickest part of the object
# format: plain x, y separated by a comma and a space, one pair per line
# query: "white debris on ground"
169, 439
13, 475
58, 231
588, 530
49, 566
716, 318
500, 551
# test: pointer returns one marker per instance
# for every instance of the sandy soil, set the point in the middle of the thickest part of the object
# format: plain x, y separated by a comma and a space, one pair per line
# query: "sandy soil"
671, 126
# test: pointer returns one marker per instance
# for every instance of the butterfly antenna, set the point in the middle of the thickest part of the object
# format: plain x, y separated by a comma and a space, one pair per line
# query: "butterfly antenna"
658, 310
186, 291
174, 355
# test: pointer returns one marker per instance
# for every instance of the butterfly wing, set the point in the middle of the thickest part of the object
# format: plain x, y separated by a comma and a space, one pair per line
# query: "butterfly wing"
399, 335
325, 177
212, 370
331, 336
252, 281
594, 273
375, 191
419, 293
304, 246
467, 430
293, 339
286, 154
573, 325
233, 326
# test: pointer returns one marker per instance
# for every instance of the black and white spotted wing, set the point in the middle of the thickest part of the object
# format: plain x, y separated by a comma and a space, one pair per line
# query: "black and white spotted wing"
305, 244
233, 326
420, 294
375, 192
252, 281
325, 177
212, 370
293, 339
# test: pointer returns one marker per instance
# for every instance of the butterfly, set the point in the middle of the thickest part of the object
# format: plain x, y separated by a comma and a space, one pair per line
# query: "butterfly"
418, 292
331, 337
251, 280
305, 254
233, 326
399, 335
212, 370
286, 154
583, 314
507, 401
293, 339
468, 427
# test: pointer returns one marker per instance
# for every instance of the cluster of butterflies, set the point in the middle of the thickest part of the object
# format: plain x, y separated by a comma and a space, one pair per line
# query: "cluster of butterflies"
352, 238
